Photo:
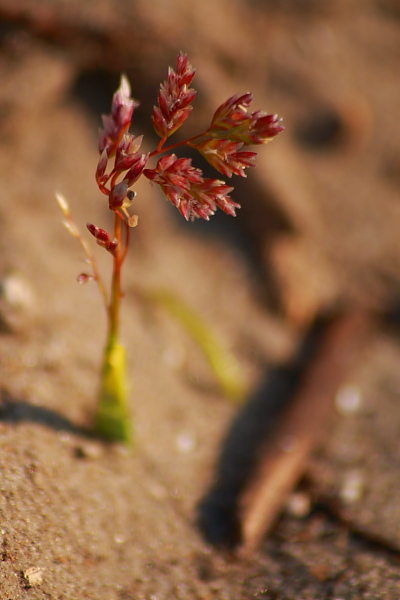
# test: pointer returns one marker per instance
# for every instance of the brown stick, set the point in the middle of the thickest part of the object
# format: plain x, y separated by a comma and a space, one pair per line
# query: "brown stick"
283, 458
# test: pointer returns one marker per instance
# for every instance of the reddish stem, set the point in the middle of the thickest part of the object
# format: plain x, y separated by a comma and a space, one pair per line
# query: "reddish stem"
160, 149
115, 299
127, 237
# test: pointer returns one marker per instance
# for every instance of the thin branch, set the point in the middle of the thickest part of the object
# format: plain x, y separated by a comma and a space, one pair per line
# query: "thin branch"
282, 460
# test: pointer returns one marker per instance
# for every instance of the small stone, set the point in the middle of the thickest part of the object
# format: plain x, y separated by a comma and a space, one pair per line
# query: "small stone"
298, 505
352, 487
64, 437
33, 576
16, 291
17, 302
89, 450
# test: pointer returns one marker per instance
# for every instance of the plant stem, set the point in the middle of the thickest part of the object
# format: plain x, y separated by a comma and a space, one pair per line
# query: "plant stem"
225, 367
112, 416
160, 149
115, 299
112, 419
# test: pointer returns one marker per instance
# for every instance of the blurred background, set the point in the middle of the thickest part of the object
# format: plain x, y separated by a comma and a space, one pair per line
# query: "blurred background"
318, 231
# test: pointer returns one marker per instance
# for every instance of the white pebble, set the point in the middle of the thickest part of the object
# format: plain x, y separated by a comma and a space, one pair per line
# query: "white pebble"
16, 291
352, 486
33, 576
91, 450
119, 538
298, 504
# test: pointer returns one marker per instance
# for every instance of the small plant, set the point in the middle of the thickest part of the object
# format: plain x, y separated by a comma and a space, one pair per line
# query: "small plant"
121, 164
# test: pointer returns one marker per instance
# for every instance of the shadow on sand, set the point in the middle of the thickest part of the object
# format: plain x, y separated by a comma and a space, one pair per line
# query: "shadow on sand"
218, 517
19, 411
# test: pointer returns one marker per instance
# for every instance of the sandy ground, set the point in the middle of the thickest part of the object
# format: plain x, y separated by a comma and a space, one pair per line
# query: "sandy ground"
95, 521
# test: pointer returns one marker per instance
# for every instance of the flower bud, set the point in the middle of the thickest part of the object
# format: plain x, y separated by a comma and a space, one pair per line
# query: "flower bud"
101, 177
63, 204
117, 195
102, 238
116, 124
127, 152
174, 98
84, 278
136, 170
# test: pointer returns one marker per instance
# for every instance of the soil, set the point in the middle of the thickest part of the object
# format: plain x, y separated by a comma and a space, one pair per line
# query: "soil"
80, 518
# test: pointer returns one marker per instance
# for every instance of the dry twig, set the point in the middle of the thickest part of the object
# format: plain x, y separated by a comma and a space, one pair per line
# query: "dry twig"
282, 459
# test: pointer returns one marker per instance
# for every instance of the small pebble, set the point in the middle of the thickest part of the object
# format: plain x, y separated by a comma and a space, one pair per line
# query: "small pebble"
17, 302
298, 505
89, 450
64, 437
16, 291
33, 576
348, 400
352, 487
119, 538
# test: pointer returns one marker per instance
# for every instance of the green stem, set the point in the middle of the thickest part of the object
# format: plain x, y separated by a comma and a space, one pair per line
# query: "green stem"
112, 419
224, 365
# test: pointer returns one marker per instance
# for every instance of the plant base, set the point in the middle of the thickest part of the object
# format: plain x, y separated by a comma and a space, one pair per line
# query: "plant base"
112, 419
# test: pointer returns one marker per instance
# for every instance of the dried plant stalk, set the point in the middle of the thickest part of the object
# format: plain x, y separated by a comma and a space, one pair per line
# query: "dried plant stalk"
283, 458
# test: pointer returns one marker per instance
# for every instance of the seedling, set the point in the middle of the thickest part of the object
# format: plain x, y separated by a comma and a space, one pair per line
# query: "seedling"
121, 164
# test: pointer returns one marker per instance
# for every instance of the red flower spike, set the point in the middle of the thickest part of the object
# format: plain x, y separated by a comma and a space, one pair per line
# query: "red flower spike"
223, 155
115, 125
137, 169
117, 195
213, 193
102, 238
174, 172
231, 111
174, 98
127, 152
204, 198
84, 278
185, 187
264, 128
101, 176
174, 176
232, 121
232, 127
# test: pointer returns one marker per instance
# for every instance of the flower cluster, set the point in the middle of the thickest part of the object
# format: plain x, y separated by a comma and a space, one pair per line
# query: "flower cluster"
116, 142
195, 196
174, 99
232, 121
187, 189
102, 238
